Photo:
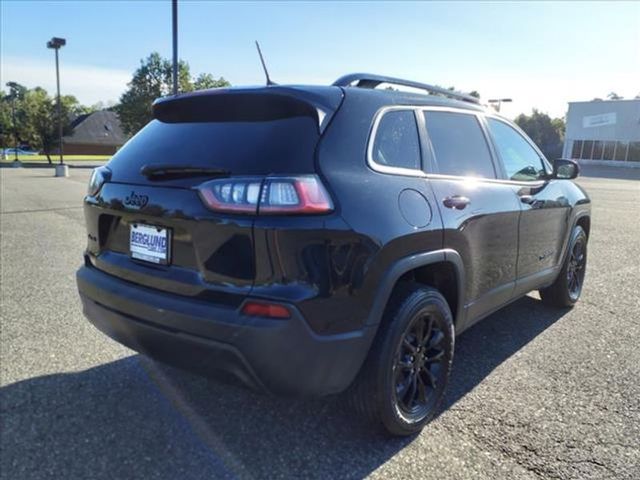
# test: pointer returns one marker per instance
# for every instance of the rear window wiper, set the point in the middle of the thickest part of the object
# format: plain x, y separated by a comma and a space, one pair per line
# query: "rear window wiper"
163, 172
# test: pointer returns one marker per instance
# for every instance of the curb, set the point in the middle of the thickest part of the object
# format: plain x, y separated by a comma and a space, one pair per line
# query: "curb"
50, 165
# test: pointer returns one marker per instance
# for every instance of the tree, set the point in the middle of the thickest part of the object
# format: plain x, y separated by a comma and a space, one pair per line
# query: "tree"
6, 123
11, 114
150, 81
41, 119
153, 79
614, 96
546, 132
36, 117
472, 93
5, 120
206, 80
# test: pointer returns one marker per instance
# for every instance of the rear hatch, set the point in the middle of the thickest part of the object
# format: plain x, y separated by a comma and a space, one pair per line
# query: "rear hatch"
152, 196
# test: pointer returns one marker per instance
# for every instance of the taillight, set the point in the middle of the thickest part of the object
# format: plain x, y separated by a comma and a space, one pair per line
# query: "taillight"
272, 195
235, 195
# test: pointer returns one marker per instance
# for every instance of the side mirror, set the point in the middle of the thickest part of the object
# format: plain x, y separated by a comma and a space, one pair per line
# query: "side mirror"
565, 169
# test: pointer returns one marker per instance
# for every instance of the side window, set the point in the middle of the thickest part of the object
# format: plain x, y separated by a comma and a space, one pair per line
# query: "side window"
520, 160
396, 143
459, 146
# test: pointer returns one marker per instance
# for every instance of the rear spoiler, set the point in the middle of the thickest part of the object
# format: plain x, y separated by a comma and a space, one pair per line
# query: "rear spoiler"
250, 105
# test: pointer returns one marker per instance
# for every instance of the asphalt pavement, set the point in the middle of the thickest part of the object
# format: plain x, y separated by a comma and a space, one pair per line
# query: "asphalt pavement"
535, 392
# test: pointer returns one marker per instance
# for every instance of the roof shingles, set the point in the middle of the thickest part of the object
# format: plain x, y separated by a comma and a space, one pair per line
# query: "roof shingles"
97, 128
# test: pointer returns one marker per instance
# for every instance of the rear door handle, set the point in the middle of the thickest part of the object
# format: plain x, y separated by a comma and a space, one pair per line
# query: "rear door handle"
457, 201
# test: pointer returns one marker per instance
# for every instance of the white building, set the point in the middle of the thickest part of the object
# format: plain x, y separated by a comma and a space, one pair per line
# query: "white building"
603, 131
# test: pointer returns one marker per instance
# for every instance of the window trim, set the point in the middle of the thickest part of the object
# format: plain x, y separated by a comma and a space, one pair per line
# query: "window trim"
411, 172
426, 149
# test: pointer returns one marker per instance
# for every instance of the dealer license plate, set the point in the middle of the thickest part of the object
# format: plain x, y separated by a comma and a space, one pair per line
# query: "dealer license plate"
149, 243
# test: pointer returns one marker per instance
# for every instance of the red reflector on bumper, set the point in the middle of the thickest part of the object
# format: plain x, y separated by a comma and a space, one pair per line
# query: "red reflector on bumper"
270, 310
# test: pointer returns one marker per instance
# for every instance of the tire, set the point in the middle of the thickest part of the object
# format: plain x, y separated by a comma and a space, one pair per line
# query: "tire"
566, 289
392, 390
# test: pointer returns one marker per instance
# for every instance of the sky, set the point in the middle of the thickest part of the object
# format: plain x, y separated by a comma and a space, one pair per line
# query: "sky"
540, 54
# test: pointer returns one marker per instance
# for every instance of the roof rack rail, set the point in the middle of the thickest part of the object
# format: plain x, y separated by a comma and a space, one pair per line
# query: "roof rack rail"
369, 80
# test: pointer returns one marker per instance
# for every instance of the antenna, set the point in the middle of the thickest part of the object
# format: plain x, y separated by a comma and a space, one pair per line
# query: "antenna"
264, 66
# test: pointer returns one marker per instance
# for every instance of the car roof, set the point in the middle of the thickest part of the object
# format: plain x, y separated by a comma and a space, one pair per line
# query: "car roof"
379, 95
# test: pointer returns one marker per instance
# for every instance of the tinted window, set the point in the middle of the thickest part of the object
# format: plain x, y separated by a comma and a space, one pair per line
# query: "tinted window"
243, 148
634, 152
520, 160
609, 147
576, 149
597, 150
459, 146
621, 151
587, 148
396, 143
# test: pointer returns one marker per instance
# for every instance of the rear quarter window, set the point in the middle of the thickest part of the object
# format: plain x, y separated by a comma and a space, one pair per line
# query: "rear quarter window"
396, 143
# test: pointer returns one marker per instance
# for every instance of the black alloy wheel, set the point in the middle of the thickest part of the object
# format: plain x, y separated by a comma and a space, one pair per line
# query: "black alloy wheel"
402, 383
576, 268
418, 369
567, 288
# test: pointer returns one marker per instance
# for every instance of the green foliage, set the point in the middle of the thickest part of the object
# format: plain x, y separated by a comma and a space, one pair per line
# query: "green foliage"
29, 116
472, 93
150, 81
36, 118
11, 115
206, 80
153, 79
6, 125
546, 132
42, 116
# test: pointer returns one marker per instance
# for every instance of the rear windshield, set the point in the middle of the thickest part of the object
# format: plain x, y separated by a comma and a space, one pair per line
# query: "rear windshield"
284, 145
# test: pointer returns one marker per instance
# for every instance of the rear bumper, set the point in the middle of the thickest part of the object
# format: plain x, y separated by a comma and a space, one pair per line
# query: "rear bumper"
280, 356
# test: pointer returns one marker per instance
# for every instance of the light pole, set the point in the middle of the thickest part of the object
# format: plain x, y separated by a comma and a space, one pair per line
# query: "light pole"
13, 86
174, 25
56, 43
497, 102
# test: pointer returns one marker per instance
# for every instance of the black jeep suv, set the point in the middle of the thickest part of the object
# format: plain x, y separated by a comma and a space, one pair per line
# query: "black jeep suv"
309, 240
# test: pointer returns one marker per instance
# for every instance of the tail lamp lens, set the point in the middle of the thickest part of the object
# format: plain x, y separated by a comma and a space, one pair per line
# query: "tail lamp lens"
98, 177
235, 195
271, 195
